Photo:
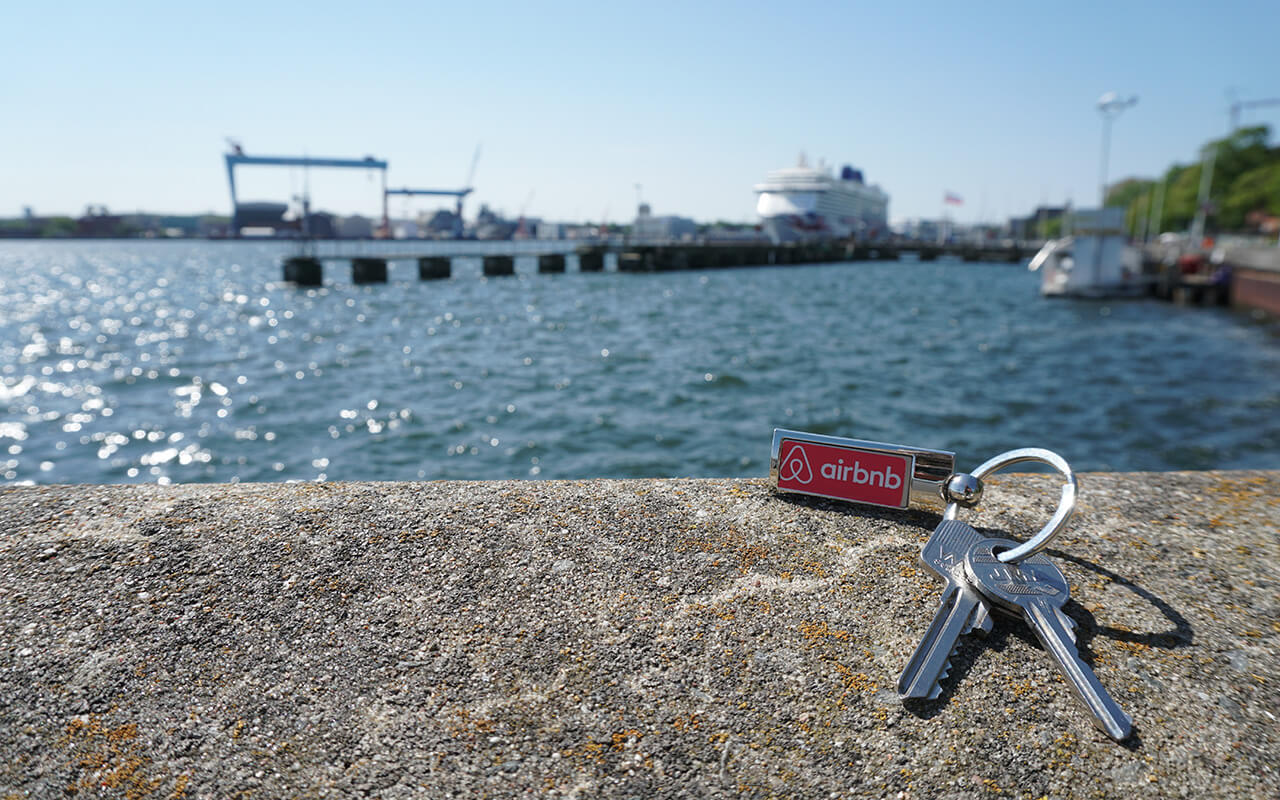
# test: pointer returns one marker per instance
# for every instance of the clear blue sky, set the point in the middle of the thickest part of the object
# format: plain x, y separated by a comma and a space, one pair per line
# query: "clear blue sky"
126, 104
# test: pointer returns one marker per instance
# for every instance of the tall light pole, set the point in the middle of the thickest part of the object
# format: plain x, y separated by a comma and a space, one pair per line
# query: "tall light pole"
1157, 209
1109, 105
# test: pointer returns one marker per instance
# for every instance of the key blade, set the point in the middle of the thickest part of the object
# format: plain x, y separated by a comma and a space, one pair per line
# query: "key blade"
1068, 624
1046, 622
931, 661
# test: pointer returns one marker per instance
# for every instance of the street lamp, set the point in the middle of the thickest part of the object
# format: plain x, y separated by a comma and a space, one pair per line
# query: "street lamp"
1109, 106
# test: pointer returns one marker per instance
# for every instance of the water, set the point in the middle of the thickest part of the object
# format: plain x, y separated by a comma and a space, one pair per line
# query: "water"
150, 361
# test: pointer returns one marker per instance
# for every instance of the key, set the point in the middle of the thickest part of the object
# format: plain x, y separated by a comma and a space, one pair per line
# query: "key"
960, 611
1037, 590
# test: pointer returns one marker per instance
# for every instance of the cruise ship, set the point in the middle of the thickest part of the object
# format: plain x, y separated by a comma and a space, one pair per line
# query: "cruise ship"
804, 202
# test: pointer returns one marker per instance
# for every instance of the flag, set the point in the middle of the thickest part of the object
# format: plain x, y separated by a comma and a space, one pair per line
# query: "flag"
952, 199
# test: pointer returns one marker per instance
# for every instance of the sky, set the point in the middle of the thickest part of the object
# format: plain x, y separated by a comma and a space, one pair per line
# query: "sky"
579, 110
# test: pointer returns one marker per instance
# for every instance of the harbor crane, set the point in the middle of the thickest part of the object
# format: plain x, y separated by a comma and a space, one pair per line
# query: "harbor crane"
237, 158
405, 192
459, 194
1240, 105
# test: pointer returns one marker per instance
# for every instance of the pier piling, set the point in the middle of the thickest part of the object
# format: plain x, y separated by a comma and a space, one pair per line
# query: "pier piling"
551, 262
368, 270
304, 271
634, 261
434, 268
591, 259
499, 265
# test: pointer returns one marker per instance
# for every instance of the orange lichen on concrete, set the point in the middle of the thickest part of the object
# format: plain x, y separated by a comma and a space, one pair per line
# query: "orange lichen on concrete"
817, 631
106, 758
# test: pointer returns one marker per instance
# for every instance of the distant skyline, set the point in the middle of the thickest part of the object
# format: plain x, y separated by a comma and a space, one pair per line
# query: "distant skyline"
576, 104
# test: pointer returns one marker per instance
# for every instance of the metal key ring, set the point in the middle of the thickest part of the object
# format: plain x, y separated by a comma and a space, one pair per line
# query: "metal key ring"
1066, 505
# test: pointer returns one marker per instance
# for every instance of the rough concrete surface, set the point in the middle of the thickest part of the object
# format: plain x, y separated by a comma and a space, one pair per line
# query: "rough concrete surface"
662, 638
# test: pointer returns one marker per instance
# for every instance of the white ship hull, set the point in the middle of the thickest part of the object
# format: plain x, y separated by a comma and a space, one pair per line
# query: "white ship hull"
815, 227
805, 204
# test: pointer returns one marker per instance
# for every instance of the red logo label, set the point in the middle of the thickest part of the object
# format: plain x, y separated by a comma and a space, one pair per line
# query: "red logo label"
844, 473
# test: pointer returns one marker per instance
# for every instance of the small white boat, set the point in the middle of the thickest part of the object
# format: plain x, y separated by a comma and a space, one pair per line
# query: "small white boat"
1096, 260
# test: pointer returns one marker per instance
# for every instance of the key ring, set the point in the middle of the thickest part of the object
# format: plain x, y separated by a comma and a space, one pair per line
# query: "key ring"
1066, 505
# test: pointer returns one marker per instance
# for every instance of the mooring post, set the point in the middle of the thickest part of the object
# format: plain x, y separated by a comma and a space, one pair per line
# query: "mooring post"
499, 265
368, 270
304, 271
434, 267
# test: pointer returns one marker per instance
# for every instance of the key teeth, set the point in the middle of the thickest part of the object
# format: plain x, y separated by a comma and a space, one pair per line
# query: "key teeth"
981, 625
981, 621
937, 684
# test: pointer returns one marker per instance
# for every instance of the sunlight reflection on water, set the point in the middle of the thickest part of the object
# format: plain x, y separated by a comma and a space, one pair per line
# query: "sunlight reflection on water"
188, 361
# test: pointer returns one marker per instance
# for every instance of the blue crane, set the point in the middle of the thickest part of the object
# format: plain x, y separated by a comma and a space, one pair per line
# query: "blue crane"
237, 158
459, 194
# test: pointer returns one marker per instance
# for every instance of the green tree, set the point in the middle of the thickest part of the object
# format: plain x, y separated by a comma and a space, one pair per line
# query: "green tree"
1245, 175
1134, 195
1255, 190
58, 228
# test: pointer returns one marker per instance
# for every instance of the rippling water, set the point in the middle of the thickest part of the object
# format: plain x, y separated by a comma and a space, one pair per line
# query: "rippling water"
150, 361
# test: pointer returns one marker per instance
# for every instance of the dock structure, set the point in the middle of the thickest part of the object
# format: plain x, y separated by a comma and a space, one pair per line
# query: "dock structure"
369, 259
1241, 276
1255, 278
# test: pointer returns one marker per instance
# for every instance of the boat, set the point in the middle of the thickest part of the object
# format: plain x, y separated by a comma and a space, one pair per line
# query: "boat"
1095, 260
803, 203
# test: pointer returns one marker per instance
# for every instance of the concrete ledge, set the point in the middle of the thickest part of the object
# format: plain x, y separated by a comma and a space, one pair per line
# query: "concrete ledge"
617, 638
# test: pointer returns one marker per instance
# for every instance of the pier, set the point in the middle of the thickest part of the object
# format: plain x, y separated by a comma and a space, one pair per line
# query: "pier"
369, 258
1240, 276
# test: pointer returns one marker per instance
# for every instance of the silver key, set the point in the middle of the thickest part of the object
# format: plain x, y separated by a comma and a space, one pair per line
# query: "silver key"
960, 611
1037, 589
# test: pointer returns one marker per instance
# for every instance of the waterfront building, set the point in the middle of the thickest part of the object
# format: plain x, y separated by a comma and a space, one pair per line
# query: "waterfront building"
355, 227
648, 227
1030, 227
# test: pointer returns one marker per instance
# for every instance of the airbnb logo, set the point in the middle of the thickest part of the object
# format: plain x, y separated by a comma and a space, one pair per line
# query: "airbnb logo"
845, 473
795, 466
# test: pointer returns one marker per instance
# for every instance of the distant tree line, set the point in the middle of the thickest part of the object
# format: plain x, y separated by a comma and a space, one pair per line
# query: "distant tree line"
1244, 189
103, 225
42, 228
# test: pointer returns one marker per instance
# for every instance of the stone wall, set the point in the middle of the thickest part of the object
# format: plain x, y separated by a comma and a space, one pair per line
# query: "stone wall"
618, 638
